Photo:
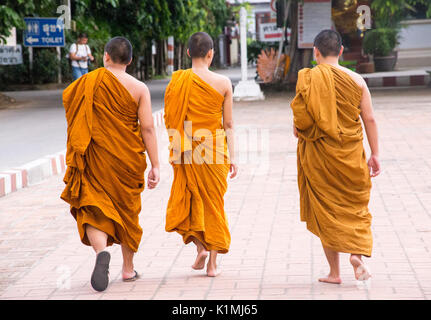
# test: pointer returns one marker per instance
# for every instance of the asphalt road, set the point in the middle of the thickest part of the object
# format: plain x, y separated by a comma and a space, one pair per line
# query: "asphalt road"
36, 126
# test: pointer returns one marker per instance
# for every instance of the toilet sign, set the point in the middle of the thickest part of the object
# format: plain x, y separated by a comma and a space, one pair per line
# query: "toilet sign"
43, 32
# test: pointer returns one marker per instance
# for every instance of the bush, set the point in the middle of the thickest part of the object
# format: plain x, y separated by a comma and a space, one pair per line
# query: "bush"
381, 41
45, 66
14, 74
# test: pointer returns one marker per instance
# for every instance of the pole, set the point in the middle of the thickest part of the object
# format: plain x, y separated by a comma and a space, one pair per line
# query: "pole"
243, 35
30, 62
280, 46
170, 55
59, 64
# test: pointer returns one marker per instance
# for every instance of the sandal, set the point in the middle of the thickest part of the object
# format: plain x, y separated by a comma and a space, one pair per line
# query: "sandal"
100, 276
134, 278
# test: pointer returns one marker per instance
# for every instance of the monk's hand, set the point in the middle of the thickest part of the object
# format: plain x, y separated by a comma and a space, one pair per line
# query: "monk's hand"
295, 131
153, 177
233, 170
374, 166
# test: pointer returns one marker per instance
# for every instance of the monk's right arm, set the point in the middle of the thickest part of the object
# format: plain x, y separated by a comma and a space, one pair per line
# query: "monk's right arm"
370, 124
149, 135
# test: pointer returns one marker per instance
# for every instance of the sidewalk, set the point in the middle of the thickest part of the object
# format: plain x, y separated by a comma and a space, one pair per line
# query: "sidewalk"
272, 255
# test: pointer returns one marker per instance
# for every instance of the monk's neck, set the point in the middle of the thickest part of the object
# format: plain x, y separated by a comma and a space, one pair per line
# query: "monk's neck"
199, 64
333, 61
116, 69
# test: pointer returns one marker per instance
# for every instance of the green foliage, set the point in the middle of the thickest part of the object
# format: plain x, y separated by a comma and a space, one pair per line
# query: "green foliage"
45, 66
12, 13
141, 21
14, 74
349, 64
380, 41
388, 14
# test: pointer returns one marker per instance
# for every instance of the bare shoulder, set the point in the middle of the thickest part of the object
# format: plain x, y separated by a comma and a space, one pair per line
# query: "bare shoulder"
355, 76
223, 80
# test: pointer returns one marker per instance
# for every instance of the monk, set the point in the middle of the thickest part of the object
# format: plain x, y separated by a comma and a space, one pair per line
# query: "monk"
333, 173
109, 127
198, 117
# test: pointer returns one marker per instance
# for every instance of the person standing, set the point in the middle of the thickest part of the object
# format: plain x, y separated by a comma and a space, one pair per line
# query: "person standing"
198, 117
333, 172
109, 128
79, 54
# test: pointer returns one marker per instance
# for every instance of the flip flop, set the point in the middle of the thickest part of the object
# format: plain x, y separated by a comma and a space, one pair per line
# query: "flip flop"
100, 276
134, 278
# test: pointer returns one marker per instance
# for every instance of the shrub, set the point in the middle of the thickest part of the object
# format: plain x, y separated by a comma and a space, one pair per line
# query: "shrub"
380, 41
45, 66
14, 74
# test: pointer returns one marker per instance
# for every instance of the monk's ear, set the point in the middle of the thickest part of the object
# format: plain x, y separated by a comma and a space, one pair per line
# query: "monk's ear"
341, 51
129, 62
316, 53
188, 53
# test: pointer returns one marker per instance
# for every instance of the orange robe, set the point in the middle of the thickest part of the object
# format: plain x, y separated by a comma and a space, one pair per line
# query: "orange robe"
200, 161
105, 158
333, 176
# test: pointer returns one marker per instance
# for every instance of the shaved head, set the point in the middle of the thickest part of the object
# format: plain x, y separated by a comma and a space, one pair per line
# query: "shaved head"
120, 50
199, 44
328, 42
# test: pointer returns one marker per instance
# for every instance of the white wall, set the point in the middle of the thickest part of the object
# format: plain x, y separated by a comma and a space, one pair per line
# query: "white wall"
414, 50
416, 34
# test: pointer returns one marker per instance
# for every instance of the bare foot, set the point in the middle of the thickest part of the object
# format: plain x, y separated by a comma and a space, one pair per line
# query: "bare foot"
361, 271
127, 274
200, 260
212, 271
331, 279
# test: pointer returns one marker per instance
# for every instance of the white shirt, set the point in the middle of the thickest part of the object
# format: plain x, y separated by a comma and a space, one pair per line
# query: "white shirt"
83, 51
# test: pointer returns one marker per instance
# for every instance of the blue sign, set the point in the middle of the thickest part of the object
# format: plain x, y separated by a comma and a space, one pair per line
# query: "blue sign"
44, 32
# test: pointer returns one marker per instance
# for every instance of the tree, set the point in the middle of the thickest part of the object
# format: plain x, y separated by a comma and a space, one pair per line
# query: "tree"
12, 13
143, 22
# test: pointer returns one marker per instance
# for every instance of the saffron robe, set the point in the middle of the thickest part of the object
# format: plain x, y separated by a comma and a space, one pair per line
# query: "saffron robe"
333, 176
105, 158
198, 154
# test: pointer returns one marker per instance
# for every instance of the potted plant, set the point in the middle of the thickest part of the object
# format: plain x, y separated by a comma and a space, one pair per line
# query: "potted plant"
380, 43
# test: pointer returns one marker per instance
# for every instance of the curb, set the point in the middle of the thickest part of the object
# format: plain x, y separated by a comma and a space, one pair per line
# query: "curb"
400, 80
39, 170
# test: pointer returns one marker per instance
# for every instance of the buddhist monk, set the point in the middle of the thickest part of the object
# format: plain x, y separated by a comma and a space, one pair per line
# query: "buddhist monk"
333, 172
198, 117
109, 127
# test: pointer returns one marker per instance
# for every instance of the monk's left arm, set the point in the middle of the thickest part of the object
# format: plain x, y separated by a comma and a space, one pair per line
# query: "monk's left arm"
147, 127
370, 124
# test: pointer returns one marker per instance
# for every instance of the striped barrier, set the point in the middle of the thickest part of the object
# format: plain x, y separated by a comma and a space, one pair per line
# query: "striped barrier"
39, 170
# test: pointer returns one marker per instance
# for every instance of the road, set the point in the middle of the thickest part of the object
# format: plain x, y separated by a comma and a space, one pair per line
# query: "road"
36, 126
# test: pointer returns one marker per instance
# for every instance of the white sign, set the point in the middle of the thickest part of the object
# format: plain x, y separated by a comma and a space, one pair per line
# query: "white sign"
10, 55
269, 32
11, 40
313, 17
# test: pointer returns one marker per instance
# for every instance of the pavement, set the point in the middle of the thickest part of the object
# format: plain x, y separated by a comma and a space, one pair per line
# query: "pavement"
272, 255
